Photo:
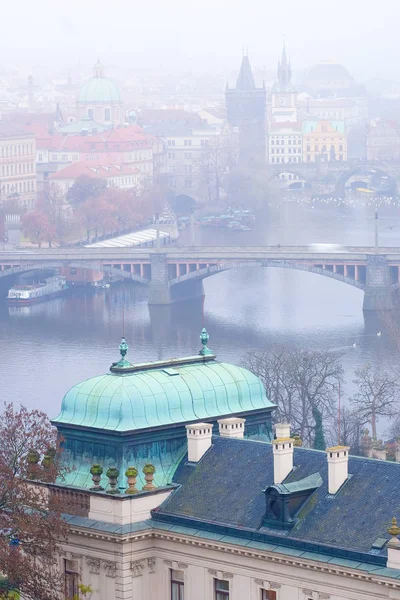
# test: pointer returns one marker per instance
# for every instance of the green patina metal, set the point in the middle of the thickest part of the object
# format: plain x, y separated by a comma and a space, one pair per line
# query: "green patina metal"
99, 89
155, 398
136, 414
204, 337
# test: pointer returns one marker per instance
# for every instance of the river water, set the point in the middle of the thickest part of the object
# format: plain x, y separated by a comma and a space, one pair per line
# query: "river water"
47, 348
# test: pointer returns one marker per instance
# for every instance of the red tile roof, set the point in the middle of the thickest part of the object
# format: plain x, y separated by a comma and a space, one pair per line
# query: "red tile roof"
92, 169
115, 140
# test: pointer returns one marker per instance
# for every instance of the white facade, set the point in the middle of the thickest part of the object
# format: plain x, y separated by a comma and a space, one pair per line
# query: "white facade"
284, 146
139, 566
18, 169
284, 107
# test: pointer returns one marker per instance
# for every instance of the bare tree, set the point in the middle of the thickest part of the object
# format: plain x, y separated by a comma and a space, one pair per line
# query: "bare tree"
376, 395
347, 430
217, 159
299, 381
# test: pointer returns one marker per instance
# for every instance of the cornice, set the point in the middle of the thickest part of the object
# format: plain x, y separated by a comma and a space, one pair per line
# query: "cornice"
274, 557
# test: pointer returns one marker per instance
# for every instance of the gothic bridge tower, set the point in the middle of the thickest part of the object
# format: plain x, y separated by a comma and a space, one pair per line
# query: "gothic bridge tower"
246, 109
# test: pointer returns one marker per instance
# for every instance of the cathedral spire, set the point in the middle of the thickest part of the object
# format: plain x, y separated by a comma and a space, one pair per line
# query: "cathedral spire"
284, 71
245, 81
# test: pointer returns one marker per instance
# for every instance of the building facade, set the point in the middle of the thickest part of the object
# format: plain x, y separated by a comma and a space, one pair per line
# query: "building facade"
200, 503
285, 143
324, 141
187, 149
17, 165
127, 146
383, 140
246, 110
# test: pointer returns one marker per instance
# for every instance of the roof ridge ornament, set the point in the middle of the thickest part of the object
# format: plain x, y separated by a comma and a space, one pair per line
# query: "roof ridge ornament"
204, 337
123, 349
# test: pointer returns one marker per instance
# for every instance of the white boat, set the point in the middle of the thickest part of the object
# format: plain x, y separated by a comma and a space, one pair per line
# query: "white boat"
36, 292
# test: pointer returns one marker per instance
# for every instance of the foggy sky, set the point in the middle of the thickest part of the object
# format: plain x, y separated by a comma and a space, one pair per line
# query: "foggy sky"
204, 34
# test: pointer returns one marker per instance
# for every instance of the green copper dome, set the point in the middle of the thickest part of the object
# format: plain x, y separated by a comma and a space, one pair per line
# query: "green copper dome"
137, 413
99, 88
168, 393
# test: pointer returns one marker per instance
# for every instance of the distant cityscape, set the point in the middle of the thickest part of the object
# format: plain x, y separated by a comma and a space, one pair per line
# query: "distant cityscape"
138, 131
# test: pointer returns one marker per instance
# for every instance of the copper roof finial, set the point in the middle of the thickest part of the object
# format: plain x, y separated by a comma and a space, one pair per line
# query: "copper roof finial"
123, 349
204, 337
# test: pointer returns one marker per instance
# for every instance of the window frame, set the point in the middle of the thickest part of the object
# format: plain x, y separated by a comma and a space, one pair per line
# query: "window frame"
221, 594
179, 583
268, 594
70, 576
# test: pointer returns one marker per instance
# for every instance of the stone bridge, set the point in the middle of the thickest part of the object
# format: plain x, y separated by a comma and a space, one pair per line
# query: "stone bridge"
339, 173
179, 273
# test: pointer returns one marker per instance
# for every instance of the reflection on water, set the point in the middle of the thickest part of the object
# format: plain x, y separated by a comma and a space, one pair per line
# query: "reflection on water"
47, 348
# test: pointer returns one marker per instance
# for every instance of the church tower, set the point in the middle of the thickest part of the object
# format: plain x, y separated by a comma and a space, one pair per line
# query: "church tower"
246, 109
284, 98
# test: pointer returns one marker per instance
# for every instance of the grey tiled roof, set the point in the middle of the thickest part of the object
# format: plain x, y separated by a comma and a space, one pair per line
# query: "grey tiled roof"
226, 489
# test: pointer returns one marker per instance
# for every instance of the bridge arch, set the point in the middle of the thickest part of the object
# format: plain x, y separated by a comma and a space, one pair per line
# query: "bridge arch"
365, 171
281, 264
45, 265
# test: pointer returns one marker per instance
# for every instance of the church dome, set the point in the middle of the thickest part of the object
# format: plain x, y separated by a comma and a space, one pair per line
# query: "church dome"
162, 393
99, 89
328, 72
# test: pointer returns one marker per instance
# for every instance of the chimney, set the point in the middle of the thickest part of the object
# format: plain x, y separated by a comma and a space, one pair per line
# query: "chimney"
283, 452
338, 462
199, 440
232, 427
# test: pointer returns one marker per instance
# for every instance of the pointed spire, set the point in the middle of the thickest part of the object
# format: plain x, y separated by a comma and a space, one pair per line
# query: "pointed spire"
284, 71
204, 337
245, 81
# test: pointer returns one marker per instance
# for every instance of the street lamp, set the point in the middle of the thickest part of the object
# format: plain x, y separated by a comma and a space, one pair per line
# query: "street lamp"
376, 230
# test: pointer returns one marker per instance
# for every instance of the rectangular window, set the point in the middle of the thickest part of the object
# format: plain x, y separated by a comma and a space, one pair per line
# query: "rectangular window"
221, 589
268, 595
71, 579
177, 585
53, 157
40, 157
107, 114
64, 157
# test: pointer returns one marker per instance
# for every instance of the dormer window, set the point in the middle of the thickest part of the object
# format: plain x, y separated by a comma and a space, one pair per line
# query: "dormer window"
285, 500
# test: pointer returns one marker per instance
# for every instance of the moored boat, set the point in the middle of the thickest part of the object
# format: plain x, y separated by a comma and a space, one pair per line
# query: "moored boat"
37, 292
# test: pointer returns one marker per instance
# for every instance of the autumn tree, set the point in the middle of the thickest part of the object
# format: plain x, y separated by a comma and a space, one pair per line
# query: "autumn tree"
376, 395
299, 382
31, 525
37, 227
84, 188
52, 202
